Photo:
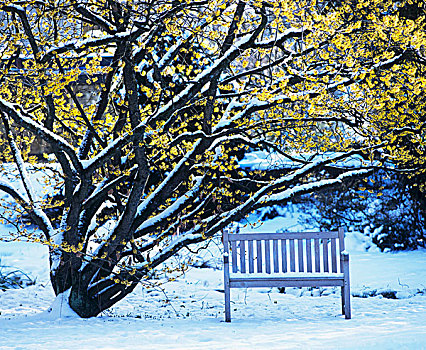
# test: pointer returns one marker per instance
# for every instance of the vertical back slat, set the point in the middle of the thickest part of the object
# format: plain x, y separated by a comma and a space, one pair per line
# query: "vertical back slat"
317, 255
234, 256
292, 256
275, 253
341, 246
308, 255
250, 256
333, 255
243, 256
259, 256
325, 254
284, 255
300, 254
267, 256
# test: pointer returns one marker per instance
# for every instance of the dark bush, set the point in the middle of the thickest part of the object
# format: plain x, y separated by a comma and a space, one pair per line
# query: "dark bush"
389, 208
11, 278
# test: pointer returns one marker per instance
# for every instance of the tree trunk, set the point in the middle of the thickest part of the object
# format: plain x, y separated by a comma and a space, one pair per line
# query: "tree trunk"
87, 301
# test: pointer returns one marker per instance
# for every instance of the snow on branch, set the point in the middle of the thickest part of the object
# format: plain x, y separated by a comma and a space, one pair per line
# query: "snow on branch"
94, 18
279, 39
181, 242
35, 205
174, 50
7, 187
253, 106
276, 198
167, 180
92, 164
173, 209
35, 212
179, 100
23, 119
105, 186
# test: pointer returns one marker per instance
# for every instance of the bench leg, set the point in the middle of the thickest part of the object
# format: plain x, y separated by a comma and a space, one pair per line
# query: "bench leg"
346, 286
347, 297
227, 303
343, 299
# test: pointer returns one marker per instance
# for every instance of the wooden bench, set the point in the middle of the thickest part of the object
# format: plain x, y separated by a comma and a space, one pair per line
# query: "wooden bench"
270, 260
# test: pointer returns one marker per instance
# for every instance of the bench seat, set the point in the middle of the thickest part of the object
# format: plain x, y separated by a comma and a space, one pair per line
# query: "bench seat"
240, 280
329, 281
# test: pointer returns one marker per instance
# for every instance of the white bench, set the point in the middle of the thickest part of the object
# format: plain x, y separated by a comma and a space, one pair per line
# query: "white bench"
276, 255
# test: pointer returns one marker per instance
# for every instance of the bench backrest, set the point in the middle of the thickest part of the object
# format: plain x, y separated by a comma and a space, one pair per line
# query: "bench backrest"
285, 252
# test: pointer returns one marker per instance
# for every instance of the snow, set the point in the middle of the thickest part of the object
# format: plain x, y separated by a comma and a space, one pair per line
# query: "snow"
59, 308
224, 122
145, 320
262, 160
188, 313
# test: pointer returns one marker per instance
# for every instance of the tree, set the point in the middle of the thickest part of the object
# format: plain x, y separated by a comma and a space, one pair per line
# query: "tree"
184, 89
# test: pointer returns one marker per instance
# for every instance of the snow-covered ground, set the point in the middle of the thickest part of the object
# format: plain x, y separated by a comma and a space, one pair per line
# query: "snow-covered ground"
188, 313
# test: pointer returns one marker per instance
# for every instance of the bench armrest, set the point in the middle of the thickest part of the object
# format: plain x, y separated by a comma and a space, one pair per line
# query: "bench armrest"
226, 258
344, 255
